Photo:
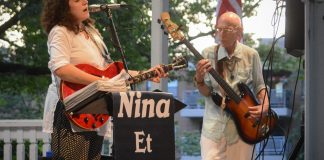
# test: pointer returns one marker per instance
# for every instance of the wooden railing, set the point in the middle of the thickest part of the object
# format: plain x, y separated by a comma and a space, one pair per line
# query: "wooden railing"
21, 132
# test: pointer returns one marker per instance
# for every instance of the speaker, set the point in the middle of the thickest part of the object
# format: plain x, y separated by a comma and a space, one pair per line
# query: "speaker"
295, 28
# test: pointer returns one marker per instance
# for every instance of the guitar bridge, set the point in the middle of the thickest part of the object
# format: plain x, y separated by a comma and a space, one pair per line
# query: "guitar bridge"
264, 129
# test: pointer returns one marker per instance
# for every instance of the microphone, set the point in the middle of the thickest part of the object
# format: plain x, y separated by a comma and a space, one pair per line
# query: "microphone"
104, 7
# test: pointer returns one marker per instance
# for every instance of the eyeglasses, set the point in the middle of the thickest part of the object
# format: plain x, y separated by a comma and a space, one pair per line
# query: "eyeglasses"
226, 30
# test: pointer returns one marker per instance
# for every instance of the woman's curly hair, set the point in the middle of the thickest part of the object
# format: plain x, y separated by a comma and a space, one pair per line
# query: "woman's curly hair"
57, 12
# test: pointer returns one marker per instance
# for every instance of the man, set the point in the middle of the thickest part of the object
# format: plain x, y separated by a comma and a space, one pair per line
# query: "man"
236, 63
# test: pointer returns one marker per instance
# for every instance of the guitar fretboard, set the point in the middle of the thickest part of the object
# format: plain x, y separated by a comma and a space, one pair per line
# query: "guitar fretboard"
228, 89
148, 75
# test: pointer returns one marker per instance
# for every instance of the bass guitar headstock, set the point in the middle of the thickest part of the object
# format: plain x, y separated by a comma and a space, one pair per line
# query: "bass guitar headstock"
171, 28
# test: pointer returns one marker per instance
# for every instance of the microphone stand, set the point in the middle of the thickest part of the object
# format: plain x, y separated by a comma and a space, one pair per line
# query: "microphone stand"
116, 42
117, 45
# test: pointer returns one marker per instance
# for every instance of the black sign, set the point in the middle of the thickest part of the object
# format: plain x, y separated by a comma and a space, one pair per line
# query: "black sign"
143, 126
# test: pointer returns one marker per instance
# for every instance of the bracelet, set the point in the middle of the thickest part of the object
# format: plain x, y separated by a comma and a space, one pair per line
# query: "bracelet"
198, 83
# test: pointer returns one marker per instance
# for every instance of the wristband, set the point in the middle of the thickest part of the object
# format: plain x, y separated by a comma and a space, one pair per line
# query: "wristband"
198, 83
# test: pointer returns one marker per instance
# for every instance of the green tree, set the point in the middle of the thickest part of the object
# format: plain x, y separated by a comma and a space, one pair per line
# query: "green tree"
23, 50
281, 60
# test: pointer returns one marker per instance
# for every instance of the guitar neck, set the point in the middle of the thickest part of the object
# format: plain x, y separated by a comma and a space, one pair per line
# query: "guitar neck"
228, 89
148, 75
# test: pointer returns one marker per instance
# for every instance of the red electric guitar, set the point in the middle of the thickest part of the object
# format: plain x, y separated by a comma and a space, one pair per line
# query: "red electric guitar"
251, 130
93, 121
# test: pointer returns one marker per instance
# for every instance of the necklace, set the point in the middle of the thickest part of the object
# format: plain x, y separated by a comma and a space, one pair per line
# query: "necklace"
81, 28
230, 65
84, 31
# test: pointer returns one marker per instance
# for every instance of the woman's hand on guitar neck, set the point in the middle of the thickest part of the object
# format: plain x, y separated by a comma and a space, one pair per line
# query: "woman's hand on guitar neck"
160, 73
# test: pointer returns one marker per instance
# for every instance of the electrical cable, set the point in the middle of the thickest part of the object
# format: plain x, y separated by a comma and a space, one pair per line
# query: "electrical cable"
275, 23
292, 110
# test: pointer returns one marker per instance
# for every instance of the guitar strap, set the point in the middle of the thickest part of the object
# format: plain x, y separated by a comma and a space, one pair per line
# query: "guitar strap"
220, 70
98, 40
218, 64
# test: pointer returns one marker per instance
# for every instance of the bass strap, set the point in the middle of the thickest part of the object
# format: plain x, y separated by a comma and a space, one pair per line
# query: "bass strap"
217, 98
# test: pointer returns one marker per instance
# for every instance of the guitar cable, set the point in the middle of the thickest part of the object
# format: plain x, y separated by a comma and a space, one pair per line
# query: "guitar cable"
292, 109
293, 105
266, 77
275, 23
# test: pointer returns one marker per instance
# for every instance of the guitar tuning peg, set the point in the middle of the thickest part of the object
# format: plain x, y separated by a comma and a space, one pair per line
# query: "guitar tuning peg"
159, 21
162, 27
166, 33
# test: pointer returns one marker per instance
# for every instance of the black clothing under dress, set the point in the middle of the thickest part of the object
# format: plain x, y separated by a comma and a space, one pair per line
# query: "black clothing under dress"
69, 145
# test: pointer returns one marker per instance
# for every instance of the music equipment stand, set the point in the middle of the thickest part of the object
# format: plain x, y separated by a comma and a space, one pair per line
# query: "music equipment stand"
108, 103
178, 105
298, 145
99, 103
300, 141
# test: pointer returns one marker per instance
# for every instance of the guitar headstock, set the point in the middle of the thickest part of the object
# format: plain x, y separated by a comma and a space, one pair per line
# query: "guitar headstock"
172, 28
179, 63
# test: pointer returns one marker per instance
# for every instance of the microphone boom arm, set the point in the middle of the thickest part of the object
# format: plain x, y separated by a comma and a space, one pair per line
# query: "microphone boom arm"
105, 7
115, 38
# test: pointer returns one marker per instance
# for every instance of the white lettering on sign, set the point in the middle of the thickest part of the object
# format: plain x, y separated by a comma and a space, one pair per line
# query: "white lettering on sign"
139, 139
160, 109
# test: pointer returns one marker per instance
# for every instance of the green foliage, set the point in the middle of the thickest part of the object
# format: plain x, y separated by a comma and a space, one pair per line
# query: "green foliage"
247, 39
133, 29
189, 143
23, 42
31, 48
24, 98
281, 60
249, 7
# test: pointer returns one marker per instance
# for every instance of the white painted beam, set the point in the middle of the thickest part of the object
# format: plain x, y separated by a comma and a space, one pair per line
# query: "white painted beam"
159, 41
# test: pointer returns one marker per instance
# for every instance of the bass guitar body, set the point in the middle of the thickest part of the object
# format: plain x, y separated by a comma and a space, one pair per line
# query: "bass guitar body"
89, 121
251, 130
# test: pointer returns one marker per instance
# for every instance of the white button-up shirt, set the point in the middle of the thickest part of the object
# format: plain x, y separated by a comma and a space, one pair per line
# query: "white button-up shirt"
246, 68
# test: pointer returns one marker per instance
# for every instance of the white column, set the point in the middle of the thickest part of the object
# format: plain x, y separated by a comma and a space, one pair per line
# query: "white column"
7, 148
159, 41
33, 147
47, 144
314, 80
20, 145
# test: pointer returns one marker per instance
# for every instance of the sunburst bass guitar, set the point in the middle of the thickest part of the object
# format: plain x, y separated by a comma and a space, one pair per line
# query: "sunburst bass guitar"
251, 130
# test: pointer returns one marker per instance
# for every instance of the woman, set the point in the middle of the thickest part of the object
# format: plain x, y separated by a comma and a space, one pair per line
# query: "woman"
72, 39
